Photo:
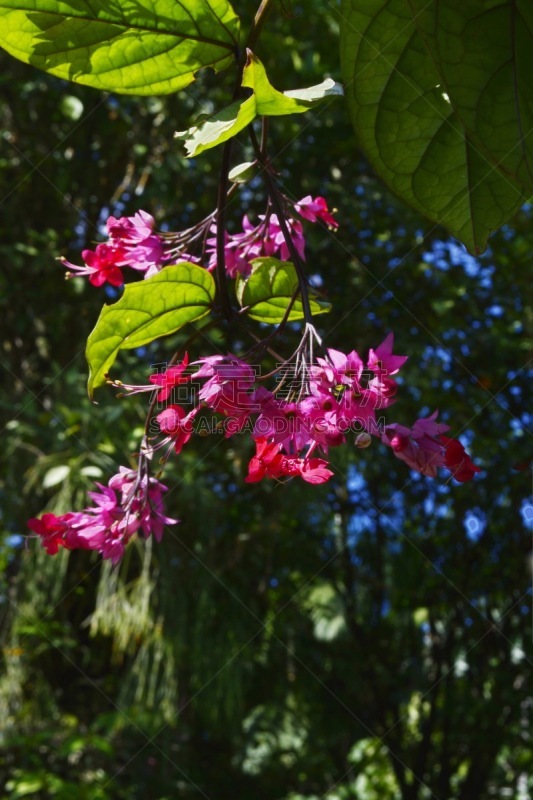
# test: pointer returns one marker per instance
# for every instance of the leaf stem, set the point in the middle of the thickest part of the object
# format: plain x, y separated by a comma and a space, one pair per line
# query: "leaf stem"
255, 31
222, 282
259, 20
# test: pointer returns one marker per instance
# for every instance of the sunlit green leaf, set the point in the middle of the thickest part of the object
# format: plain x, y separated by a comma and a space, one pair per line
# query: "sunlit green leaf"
408, 129
147, 310
265, 101
267, 293
218, 127
56, 475
25, 785
242, 173
270, 102
145, 47
326, 610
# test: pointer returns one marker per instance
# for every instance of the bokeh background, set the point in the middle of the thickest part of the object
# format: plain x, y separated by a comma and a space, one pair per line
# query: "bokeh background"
366, 639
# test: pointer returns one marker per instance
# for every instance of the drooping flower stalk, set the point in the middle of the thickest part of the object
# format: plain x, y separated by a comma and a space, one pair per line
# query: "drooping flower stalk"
315, 404
132, 502
320, 396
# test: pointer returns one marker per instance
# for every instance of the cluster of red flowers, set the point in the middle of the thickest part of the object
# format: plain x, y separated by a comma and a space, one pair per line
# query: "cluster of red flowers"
314, 406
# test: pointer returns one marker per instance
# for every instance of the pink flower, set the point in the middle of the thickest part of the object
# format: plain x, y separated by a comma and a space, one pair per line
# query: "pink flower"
270, 462
229, 390
274, 242
424, 448
171, 377
102, 265
420, 446
176, 423
239, 250
316, 209
142, 249
314, 470
267, 462
381, 360
166, 381
264, 239
357, 407
148, 256
340, 368
131, 243
131, 229
130, 502
321, 413
280, 421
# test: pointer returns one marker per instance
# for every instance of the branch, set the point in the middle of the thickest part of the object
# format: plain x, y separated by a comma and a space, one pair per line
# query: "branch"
222, 283
277, 205
257, 26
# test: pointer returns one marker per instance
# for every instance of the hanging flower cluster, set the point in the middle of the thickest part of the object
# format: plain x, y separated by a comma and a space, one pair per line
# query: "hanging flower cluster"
267, 238
321, 397
131, 502
134, 243
316, 404
131, 243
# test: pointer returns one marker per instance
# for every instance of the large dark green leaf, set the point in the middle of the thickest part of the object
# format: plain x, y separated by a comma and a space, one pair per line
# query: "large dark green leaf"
141, 47
147, 310
408, 129
484, 56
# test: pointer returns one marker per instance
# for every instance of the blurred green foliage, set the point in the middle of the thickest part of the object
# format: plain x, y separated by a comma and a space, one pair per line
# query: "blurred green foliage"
364, 639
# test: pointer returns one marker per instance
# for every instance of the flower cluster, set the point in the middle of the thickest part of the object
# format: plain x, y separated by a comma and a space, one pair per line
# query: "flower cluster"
131, 502
266, 238
424, 448
132, 242
320, 398
315, 405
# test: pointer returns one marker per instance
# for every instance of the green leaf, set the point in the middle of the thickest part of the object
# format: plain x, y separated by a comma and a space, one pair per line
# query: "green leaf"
25, 786
327, 613
244, 172
148, 309
265, 101
218, 127
484, 56
267, 293
270, 102
408, 129
143, 47
56, 475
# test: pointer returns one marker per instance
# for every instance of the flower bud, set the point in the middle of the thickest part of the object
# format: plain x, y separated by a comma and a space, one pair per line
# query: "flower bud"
399, 443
